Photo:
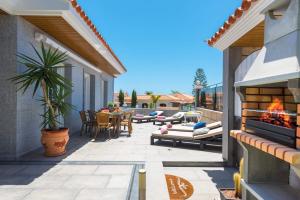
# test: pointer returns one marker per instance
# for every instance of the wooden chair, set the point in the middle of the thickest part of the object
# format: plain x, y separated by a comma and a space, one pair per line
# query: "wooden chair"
91, 115
127, 122
85, 124
92, 120
102, 123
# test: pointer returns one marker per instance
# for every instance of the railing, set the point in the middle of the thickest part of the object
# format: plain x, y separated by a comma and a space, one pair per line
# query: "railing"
212, 97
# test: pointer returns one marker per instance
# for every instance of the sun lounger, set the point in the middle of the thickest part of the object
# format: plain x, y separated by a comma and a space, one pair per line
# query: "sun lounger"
213, 137
190, 127
178, 117
146, 118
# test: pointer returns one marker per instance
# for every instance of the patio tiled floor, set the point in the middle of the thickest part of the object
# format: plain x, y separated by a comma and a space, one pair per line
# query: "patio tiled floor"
64, 182
103, 169
134, 148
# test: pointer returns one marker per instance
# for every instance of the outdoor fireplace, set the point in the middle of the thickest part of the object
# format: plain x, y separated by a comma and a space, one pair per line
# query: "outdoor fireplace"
279, 134
275, 123
271, 113
267, 84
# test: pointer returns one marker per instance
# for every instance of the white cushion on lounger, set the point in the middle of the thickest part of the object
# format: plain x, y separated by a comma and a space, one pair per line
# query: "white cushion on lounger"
211, 133
174, 135
214, 125
200, 131
182, 128
145, 117
191, 128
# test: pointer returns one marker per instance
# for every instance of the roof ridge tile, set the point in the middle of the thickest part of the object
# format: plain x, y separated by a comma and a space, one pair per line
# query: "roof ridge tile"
245, 6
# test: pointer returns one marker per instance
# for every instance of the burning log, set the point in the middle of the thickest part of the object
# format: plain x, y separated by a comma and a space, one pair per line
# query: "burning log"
276, 115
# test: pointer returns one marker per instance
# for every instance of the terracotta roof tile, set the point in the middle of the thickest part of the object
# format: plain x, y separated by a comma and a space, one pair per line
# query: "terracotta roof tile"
246, 5
80, 11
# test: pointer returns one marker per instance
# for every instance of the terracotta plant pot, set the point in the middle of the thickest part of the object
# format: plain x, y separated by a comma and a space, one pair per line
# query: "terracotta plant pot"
227, 194
55, 142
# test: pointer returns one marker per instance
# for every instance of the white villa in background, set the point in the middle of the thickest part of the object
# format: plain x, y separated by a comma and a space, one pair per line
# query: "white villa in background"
60, 24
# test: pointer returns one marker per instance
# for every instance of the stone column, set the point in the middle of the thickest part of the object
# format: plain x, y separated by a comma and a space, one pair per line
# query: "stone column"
8, 93
232, 57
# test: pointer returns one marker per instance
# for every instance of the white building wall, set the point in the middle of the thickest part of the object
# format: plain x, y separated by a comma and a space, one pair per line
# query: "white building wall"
28, 109
25, 136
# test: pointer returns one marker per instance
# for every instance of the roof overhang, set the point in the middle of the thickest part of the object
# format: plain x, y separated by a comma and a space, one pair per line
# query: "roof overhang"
63, 22
244, 29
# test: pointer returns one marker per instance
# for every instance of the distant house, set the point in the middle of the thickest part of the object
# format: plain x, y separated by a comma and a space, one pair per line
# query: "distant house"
58, 24
169, 100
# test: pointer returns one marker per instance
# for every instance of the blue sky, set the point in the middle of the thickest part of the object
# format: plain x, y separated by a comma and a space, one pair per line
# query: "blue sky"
161, 42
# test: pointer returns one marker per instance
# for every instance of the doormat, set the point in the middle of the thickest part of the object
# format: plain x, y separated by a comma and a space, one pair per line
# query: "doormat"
179, 188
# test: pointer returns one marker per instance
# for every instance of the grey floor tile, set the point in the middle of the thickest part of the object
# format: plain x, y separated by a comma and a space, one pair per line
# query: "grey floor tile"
14, 194
51, 194
119, 181
107, 194
9, 170
81, 182
76, 170
114, 169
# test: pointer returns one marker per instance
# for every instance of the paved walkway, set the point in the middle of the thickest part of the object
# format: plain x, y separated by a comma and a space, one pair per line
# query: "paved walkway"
64, 182
105, 169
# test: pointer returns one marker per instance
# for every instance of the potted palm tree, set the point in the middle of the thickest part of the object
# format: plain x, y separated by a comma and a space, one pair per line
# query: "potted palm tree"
42, 72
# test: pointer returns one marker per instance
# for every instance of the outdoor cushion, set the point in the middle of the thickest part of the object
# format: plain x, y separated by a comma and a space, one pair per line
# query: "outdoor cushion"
214, 125
169, 125
164, 130
161, 117
153, 114
201, 131
199, 125
211, 133
174, 135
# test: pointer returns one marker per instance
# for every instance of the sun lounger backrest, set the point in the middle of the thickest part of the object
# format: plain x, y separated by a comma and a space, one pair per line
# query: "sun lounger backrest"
159, 113
178, 115
214, 125
211, 133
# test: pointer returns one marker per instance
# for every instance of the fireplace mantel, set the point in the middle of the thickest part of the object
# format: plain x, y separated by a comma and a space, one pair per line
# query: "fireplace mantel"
290, 155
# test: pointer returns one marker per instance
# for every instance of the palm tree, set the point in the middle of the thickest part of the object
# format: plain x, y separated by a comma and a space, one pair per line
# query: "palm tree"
42, 73
148, 92
155, 99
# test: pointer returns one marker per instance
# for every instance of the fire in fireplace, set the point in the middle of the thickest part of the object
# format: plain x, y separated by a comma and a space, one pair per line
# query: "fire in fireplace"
276, 115
274, 124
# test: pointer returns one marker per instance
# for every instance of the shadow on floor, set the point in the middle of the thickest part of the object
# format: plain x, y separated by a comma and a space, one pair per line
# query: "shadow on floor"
75, 143
220, 177
189, 146
34, 164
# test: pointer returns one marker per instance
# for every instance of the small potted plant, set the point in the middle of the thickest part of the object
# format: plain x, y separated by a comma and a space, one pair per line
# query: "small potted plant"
110, 106
43, 73
236, 192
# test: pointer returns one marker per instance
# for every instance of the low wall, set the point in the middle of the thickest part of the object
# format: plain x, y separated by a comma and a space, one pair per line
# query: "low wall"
211, 115
208, 115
